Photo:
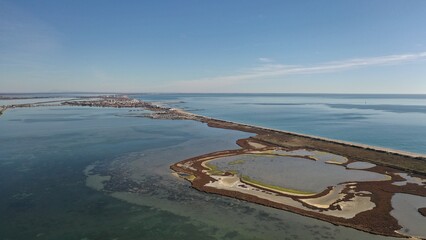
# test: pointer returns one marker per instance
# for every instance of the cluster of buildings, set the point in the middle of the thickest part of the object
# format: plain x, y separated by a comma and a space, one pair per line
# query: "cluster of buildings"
157, 111
117, 102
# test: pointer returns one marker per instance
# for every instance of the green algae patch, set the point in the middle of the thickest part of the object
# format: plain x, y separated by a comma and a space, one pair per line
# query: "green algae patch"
190, 178
235, 172
248, 180
214, 170
238, 161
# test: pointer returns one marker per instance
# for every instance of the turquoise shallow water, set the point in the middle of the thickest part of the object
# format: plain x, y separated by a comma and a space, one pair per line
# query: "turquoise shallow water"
392, 121
43, 193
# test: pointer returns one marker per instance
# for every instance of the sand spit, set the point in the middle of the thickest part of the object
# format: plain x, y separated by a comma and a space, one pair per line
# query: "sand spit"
405, 161
271, 137
364, 206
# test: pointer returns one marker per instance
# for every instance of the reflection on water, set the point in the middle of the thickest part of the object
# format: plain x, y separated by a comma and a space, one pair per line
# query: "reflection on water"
43, 192
361, 165
293, 172
393, 121
406, 212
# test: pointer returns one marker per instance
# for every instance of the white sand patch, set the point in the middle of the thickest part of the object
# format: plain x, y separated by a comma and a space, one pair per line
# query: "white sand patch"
327, 200
349, 208
229, 181
187, 165
238, 186
256, 145
334, 162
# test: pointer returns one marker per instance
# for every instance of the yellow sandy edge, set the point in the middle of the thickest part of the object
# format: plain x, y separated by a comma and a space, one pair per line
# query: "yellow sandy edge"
334, 162
214, 171
190, 178
287, 191
388, 178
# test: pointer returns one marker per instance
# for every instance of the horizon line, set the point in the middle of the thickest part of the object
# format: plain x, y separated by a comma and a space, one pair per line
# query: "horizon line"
228, 93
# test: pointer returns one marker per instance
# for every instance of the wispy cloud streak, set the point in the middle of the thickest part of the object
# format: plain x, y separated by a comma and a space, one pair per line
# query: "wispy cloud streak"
268, 70
265, 60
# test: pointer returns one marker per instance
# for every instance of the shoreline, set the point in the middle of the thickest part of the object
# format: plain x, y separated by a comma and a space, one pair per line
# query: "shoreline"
403, 160
376, 221
388, 161
342, 142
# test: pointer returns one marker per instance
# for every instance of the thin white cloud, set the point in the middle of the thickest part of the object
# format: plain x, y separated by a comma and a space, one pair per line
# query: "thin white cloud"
265, 60
268, 70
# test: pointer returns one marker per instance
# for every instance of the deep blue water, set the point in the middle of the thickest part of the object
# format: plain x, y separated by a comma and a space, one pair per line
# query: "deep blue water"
393, 121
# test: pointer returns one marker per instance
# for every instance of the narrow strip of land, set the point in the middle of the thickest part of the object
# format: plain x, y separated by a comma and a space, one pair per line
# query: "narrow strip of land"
405, 161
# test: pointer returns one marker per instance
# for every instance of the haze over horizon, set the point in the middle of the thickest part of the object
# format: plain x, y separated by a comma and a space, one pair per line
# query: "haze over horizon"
210, 47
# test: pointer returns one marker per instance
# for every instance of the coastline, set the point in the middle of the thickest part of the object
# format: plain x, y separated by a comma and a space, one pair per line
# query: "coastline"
387, 160
376, 221
402, 160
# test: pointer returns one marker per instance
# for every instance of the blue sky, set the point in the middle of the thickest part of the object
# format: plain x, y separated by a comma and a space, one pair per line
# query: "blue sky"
359, 46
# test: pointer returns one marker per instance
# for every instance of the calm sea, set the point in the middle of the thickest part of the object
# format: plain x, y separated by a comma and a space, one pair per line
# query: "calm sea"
392, 121
44, 152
